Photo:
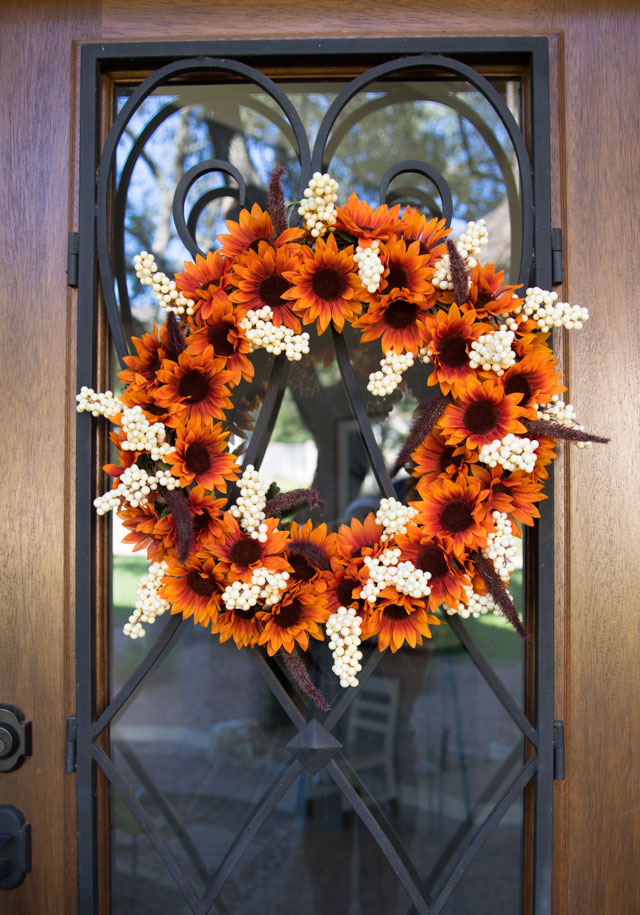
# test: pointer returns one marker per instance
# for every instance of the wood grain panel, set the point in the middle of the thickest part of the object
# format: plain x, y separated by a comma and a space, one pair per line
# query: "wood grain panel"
36, 76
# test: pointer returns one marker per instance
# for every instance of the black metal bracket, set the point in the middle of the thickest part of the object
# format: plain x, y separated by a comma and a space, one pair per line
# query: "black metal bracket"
558, 751
73, 248
557, 268
15, 737
70, 745
15, 847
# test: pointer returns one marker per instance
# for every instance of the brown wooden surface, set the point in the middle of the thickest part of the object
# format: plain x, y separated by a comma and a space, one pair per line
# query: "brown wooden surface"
595, 107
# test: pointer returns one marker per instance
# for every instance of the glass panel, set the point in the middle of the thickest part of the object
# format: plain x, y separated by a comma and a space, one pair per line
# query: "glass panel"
199, 743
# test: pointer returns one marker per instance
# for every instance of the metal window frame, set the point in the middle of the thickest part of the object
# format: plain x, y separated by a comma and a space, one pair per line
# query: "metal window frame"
97, 59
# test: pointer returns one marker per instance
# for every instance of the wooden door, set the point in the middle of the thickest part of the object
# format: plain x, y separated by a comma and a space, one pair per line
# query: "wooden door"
595, 173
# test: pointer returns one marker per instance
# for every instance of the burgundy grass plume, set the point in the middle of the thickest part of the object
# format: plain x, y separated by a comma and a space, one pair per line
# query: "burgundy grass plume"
424, 422
175, 341
538, 427
183, 520
275, 200
296, 667
500, 594
459, 275
294, 500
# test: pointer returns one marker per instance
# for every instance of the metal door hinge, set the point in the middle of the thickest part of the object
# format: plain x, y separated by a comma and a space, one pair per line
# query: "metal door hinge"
73, 247
70, 745
558, 751
557, 269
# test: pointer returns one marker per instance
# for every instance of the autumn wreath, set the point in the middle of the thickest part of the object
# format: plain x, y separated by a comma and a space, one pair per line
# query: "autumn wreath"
222, 546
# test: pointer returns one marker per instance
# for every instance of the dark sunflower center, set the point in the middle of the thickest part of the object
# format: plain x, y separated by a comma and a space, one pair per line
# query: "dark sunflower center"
200, 522
328, 284
197, 459
518, 384
397, 278
480, 417
452, 351
245, 551
302, 571
482, 300
289, 615
193, 386
271, 290
431, 559
401, 314
344, 591
255, 244
456, 516
447, 457
154, 409
203, 587
246, 614
395, 612
219, 337
154, 365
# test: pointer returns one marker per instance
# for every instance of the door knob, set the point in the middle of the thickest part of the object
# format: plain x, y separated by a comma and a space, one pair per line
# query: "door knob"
15, 737
15, 847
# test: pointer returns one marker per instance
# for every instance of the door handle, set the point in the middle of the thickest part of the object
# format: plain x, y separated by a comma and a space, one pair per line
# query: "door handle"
15, 737
15, 847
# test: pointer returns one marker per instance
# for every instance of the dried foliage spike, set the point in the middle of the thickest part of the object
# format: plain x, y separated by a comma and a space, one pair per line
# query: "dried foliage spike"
424, 422
500, 594
294, 500
182, 519
296, 667
541, 427
459, 275
275, 200
175, 341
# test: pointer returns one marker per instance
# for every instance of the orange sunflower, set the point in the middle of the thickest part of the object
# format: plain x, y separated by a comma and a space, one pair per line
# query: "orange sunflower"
513, 493
398, 619
434, 458
356, 540
341, 587
309, 553
253, 227
488, 293
141, 369
194, 387
456, 514
429, 233
259, 281
140, 522
201, 455
449, 337
222, 331
193, 588
243, 626
301, 613
535, 378
324, 286
405, 268
357, 218
484, 413
448, 577
238, 553
545, 453
399, 318
202, 280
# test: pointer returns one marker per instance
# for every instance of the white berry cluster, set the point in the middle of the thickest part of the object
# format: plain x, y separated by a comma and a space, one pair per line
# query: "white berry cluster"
134, 487
386, 571
98, 404
148, 604
370, 267
512, 452
389, 376
468, 244
547, 312
164, 289
502, 546
565, 415
318, 204
475, 605
265, 587
343, 630
393, 516
249, 507
492, 352
142, 435
262, 333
